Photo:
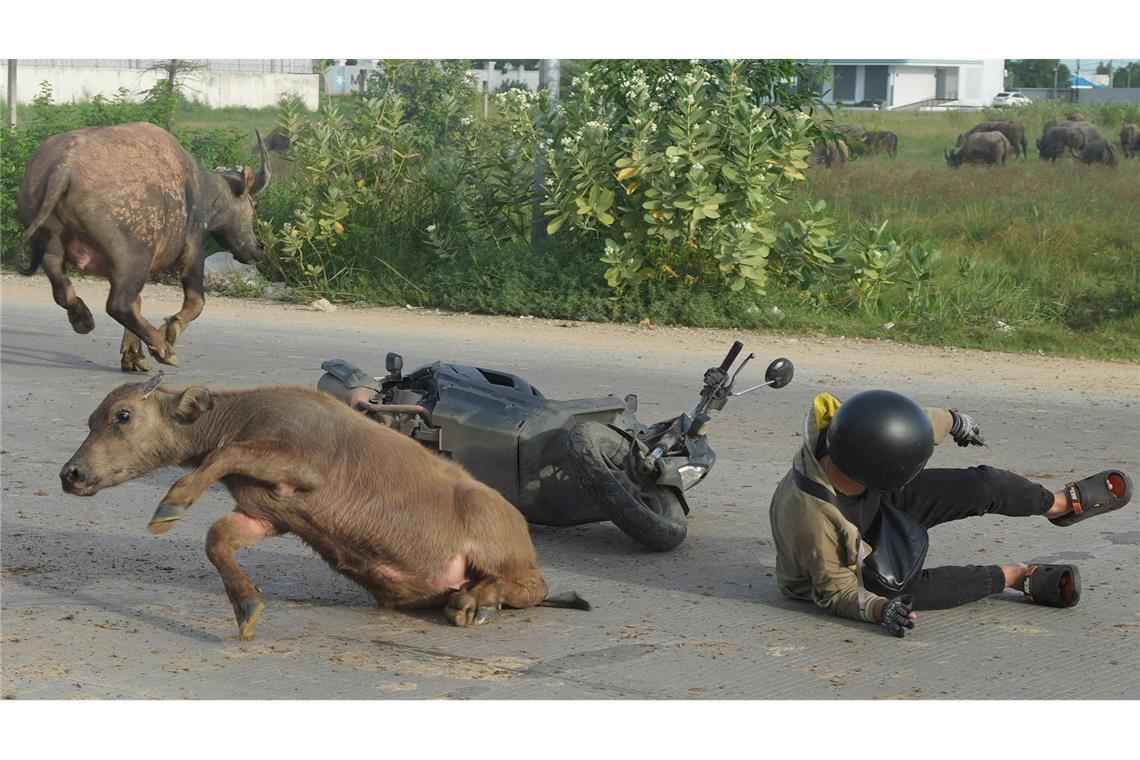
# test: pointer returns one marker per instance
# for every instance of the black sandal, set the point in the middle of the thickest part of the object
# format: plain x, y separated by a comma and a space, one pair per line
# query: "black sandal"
1095, 495
1053, 585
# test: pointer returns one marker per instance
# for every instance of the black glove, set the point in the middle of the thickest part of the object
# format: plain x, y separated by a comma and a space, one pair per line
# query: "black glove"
964, 430
895, 615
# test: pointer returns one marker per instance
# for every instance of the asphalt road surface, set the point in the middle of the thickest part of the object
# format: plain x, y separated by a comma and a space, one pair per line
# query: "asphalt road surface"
93, 606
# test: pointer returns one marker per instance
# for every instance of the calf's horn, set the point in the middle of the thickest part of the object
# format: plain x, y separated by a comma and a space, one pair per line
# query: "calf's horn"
150, 386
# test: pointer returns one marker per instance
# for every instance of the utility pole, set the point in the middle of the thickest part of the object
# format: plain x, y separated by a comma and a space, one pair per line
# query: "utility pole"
11, 93
549, 72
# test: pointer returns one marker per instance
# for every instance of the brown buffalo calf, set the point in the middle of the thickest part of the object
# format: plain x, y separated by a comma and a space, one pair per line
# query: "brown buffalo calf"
414, 529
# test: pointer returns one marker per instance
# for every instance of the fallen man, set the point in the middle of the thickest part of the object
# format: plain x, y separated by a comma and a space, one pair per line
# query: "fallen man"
849, 519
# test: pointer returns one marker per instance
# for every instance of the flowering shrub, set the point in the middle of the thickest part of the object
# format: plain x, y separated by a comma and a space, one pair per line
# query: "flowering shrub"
678, 166
355, 158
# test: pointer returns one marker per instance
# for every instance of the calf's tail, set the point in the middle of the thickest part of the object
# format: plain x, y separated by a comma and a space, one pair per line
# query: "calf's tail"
56, 187
568, 599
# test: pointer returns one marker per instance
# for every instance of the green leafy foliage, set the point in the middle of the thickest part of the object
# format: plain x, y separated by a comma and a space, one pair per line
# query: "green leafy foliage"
677, 166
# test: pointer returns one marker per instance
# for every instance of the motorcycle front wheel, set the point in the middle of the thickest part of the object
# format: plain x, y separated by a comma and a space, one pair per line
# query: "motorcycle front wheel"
649, 513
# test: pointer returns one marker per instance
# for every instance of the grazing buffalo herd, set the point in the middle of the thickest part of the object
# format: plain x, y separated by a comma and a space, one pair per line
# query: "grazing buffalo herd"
990, 142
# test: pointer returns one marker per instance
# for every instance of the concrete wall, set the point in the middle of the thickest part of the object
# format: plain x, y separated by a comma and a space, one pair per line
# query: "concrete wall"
1109, 95
993, 80
214, 88
912, 84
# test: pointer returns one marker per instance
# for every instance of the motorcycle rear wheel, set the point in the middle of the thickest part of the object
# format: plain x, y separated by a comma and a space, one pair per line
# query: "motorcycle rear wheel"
650, 514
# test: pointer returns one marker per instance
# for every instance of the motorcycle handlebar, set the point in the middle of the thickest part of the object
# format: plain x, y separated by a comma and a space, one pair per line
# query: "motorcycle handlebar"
731, 356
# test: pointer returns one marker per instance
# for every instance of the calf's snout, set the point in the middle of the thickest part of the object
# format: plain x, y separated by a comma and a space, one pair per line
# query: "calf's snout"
72, 478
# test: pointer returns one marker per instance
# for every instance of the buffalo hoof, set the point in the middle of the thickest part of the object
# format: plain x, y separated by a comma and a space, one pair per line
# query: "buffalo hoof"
172, 329
462, 610
81, 320
165, 517
247, 613
133, 361
165, 355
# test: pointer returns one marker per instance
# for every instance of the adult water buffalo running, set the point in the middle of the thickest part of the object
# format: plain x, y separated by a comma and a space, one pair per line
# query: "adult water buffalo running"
980, 148
122, 202
1013, 131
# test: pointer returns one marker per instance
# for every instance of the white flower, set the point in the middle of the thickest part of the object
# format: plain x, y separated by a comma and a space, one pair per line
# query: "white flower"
431, 228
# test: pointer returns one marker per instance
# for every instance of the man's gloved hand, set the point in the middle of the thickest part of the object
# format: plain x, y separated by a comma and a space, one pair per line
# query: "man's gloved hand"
964, 430
896, 615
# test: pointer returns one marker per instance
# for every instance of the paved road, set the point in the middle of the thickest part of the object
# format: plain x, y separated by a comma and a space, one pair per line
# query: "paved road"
95, 607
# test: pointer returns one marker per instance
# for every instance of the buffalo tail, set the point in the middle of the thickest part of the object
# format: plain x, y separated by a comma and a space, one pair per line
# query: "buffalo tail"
56, 187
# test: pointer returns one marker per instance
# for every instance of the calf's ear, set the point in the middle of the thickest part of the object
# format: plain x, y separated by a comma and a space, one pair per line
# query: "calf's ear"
192, 404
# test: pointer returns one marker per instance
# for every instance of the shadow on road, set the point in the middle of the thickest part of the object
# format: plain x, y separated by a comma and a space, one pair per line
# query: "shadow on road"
69, 563
40, 357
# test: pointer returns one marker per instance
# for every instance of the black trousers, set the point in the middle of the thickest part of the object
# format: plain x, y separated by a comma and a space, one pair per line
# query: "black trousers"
938, 496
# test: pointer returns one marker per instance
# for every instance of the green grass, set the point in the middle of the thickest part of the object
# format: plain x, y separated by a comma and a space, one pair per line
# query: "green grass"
1051, 249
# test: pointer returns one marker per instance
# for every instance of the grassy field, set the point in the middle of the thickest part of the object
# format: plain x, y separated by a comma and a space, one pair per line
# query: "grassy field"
1051, 249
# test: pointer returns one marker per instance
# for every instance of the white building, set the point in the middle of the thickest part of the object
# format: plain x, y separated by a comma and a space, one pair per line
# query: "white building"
914, 84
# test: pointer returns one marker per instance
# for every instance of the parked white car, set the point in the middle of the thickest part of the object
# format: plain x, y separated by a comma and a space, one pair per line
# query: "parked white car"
1011, 99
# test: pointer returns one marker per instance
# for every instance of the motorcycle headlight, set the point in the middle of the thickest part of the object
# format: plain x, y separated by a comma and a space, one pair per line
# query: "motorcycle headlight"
691, 474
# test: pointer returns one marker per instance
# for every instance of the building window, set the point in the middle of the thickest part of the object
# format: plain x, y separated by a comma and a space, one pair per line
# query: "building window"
875, 84
844, 83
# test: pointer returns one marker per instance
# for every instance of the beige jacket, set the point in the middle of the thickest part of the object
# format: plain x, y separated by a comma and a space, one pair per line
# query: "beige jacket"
815, 544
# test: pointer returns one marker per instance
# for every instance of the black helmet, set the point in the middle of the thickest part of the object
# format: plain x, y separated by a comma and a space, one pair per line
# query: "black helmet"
880, 439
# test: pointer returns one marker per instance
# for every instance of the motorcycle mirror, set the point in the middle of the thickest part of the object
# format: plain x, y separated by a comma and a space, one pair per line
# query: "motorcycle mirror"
779, 373
393, 363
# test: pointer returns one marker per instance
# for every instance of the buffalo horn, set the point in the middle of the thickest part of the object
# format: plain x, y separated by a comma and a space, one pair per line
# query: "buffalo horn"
150, 386
264, 173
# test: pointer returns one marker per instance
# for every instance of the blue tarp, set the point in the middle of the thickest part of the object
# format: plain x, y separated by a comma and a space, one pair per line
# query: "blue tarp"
1082, 82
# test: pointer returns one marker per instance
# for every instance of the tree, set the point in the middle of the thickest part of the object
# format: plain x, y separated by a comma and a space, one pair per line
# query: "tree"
1038, 72
164, 92
1127, 75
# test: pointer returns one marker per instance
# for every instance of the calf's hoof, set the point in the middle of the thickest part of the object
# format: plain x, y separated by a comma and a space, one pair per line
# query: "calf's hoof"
462, 610
247, 613
165, 517
81, 320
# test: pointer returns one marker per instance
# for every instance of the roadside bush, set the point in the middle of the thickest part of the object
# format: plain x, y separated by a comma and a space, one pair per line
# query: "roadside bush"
678, 166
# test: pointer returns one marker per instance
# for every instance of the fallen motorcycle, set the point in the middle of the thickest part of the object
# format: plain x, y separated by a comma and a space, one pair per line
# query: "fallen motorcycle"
559, 462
